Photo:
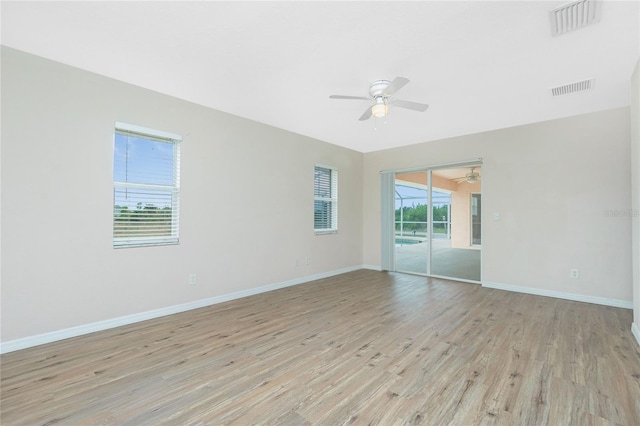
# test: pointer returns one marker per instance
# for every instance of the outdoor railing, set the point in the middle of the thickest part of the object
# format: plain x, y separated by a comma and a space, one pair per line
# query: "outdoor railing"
421, 231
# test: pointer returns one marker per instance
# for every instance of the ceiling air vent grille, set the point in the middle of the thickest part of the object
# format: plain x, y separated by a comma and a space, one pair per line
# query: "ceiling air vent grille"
574, 15
578, 86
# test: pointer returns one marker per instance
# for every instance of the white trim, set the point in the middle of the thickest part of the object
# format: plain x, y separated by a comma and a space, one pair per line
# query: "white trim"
325, 231
41, 339
324, 166
141, 130
372, 267
460, 280
636, 332
172, 190
627, 304
54, 336
455, 165
333, 199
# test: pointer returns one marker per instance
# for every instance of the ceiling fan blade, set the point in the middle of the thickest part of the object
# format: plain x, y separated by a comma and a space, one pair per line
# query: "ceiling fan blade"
366, 115
397, 84
409, 105
361, 98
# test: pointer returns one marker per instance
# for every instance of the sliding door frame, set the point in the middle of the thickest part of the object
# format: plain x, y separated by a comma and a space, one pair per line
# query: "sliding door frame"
388, 220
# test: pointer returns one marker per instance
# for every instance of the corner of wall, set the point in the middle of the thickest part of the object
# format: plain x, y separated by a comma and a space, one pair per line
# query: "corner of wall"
635, 195
636, 332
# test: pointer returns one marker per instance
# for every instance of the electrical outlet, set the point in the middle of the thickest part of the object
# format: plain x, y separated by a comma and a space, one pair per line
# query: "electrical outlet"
193, 279
297, 262
306, 261
574, 273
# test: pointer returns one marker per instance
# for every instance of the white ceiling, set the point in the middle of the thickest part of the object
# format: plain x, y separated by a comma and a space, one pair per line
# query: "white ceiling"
480, 65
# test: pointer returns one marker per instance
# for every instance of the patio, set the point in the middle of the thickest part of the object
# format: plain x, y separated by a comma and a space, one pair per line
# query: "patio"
461, 263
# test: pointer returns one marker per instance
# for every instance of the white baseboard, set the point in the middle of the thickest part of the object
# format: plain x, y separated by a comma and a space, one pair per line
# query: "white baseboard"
372, 267
561, 295
41, 339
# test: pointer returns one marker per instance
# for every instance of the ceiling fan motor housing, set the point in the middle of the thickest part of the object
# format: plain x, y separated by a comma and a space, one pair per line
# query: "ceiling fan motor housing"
380, 92
377, 88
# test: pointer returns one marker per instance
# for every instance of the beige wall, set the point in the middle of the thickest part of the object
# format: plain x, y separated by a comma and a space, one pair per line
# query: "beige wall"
635, 186
461, 214
59, 269
575, 170
246, 202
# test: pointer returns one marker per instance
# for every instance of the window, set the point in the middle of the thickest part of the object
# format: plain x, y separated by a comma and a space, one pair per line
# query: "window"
146, 186
325, 201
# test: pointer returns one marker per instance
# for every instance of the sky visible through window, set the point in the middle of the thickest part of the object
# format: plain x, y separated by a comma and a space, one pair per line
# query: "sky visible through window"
143, 161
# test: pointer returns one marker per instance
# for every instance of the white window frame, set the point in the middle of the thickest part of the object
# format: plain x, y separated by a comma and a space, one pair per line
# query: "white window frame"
333, 200
160, 136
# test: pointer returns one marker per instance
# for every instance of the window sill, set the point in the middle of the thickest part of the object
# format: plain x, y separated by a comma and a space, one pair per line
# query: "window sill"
149, 243
325, 231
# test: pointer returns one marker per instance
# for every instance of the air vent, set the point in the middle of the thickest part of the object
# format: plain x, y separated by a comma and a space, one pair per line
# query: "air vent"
574, 15
578, 86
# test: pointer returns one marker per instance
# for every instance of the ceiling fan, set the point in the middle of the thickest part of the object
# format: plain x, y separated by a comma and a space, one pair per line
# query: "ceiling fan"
380, 92
471, 177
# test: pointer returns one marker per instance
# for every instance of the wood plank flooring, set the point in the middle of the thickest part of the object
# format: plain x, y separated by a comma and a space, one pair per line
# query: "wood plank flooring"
360, 348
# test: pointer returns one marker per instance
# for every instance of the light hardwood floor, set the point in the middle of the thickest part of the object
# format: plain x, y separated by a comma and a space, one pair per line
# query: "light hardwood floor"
363, 347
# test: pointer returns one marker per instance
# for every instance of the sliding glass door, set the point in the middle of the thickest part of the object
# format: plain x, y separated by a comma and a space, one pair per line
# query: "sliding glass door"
411, 222
437, 226
453, 253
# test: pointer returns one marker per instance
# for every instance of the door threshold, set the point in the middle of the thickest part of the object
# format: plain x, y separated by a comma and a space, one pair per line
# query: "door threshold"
462, 280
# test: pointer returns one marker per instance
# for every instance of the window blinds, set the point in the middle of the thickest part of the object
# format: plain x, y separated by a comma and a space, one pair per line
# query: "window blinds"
325, 205
146, 187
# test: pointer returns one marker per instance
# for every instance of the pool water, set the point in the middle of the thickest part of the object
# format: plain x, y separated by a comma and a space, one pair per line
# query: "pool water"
407, 242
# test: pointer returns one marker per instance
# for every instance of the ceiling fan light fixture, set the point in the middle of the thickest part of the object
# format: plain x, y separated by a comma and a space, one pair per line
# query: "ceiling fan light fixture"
472, 177
380, 92
379, 110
